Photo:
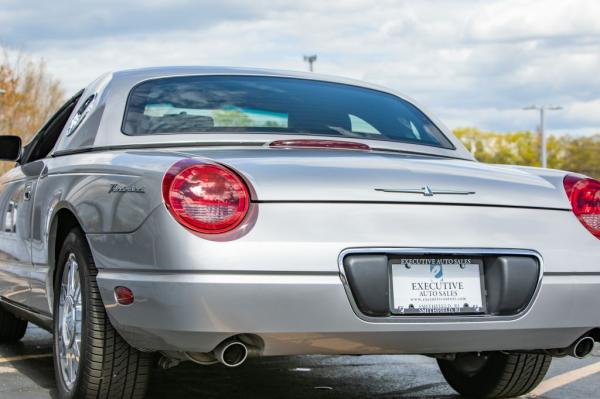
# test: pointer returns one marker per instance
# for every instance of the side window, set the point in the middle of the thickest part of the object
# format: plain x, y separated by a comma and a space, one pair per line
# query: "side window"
44, 141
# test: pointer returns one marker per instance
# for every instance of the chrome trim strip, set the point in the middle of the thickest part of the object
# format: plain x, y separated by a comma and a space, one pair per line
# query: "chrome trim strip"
426, 191
438, 251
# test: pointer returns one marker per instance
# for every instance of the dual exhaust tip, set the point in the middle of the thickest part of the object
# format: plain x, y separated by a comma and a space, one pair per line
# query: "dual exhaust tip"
582, 347
232, 352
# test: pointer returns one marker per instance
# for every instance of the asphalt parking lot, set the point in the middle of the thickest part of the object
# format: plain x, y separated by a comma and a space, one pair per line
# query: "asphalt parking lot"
26, 372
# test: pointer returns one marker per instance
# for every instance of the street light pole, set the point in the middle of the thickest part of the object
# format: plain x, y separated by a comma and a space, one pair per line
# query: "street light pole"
543, 139
311, 60
544, 147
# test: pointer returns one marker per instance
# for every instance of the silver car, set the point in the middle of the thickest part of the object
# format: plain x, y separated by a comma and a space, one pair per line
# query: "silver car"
213, 214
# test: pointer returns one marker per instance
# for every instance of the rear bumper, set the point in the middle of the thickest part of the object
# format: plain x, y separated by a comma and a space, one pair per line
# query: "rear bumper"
312, 314
281, 279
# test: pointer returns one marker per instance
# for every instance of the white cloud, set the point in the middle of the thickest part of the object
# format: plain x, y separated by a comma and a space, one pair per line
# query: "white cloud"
516, 20
473, 63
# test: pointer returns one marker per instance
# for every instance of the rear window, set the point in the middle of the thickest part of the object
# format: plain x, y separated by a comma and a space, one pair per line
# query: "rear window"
259, 104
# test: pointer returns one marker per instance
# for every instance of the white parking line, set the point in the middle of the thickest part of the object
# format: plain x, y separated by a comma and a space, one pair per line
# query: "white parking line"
566, 378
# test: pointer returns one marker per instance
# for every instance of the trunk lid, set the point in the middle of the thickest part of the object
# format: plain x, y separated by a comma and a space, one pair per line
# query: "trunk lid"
303, 175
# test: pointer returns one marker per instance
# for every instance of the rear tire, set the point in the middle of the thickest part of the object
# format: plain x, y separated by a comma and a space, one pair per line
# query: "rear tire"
495, 374
12, 329
91, 360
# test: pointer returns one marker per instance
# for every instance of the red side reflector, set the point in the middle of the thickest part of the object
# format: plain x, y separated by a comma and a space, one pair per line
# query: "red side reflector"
328, 144
124, 295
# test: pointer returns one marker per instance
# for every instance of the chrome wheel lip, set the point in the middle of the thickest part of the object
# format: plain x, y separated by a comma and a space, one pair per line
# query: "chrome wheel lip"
70, 312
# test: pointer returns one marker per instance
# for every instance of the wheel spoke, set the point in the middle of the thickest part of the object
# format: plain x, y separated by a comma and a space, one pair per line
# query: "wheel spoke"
71, 276
77, 293
63, 346
74, 366
65, 370
63, 294
69, 273
78, 315
77, 348
70, 365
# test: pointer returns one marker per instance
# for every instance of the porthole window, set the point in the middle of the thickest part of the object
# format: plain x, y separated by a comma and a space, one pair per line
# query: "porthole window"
82, 112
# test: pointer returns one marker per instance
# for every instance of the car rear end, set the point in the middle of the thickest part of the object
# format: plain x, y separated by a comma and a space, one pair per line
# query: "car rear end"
330, 232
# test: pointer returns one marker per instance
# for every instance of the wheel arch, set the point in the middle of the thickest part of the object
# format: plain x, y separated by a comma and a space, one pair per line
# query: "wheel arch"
64, 219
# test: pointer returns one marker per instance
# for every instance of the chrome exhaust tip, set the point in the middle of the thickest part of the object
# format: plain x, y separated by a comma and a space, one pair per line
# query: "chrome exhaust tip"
231, 353
582, 347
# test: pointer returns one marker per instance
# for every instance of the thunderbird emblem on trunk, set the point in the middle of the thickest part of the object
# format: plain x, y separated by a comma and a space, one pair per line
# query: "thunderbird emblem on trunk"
426, 191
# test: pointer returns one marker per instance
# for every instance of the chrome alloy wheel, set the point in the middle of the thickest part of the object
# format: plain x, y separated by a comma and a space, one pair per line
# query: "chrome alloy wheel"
70, 322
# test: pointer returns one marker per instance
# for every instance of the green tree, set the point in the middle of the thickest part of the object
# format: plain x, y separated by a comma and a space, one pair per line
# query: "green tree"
518, 148
231, 118
576, 154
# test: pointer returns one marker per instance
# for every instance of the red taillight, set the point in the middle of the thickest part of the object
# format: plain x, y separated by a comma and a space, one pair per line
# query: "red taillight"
327, 144
206, 198
584, 194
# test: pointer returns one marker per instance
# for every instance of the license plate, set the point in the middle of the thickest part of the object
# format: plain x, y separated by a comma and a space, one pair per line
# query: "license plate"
437, 286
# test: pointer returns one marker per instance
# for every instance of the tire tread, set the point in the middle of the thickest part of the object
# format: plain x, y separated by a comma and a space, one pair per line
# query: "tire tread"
113, 369
511, 375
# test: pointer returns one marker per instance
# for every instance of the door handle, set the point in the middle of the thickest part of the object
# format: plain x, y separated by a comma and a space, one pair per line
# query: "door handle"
27, 193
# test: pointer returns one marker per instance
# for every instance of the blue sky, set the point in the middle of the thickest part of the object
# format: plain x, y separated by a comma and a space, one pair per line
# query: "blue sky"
473, 63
